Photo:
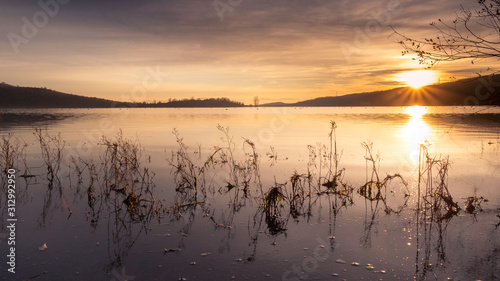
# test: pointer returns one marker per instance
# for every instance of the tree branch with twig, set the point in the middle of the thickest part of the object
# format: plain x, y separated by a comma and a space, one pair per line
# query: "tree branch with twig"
474, 35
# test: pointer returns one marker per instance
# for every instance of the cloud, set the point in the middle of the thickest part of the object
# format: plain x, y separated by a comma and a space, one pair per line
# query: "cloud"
301, 48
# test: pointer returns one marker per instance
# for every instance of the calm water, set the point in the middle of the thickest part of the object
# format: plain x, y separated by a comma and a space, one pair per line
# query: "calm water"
226, 233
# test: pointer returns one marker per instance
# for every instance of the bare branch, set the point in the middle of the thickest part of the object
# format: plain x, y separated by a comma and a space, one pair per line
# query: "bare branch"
474, 34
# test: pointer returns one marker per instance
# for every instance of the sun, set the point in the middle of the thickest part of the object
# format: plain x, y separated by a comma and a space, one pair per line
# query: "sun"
417, 78
416, 111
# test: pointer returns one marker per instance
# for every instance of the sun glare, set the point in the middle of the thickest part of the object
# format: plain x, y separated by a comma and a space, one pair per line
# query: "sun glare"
415, 111
416, 131
418, 78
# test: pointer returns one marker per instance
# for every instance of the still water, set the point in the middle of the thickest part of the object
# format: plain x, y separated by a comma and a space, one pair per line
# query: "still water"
254, 194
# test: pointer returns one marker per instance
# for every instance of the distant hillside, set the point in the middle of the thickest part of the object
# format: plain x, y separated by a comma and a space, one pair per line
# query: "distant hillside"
472, 91
218, 102
26, 97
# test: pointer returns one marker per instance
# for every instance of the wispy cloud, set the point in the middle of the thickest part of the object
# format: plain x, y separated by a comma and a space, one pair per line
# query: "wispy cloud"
278, 49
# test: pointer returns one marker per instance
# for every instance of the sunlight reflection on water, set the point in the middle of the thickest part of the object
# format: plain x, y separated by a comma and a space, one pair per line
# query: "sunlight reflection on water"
361, 232
415, 132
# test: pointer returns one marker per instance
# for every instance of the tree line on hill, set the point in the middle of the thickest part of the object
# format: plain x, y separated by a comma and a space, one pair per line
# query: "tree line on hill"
30, 97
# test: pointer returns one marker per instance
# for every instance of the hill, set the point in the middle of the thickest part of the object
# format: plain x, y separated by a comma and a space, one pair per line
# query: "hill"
471, 91
212, 102
27, 97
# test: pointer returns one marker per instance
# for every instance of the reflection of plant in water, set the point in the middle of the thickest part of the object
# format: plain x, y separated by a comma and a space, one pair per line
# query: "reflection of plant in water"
297, 194
12, 151
120, 189
121, 179
428, 227
334, 176
240, 173
434, 211
473, 204
241, 182
321, 157
192, 187
375, 189
436, 196
272, 209
186, 173
51, 147
272, 156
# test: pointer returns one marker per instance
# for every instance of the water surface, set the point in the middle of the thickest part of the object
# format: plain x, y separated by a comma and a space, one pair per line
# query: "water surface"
227, 233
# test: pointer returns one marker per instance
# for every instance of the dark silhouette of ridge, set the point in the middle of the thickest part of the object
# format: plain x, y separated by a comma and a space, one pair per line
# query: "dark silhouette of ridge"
212, 102
28, 97
471, 91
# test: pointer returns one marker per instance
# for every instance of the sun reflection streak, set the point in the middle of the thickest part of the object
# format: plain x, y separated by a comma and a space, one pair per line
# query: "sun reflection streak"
416, 131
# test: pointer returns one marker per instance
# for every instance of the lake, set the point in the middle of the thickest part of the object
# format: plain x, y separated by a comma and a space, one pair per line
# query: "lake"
377, 193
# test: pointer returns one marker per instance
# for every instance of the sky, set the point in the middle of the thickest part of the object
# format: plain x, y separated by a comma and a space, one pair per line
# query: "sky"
280, 50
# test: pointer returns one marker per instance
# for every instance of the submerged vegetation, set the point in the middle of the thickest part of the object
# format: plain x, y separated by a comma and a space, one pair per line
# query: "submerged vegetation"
375, 188
119, 188
119, 173
434, 189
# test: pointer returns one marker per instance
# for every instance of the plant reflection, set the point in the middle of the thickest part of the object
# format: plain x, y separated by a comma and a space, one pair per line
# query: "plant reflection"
299, 197
302, 195
434, 211
120, 189
218, 189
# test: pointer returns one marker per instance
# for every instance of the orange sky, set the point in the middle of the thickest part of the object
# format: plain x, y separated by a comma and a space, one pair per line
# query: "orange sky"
287, 50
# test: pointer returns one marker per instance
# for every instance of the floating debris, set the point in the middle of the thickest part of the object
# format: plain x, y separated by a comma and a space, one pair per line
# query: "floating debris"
204, 254
171, 250
331, 237
355, 263
193, 263
370, 267
239, 259
335, 274
340, 261
43, 247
